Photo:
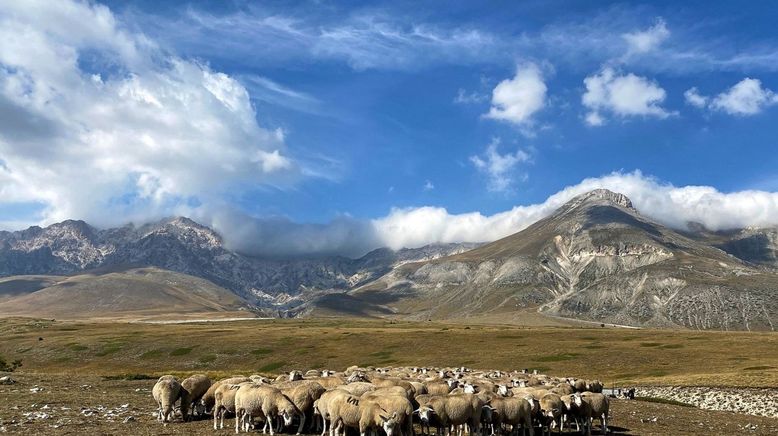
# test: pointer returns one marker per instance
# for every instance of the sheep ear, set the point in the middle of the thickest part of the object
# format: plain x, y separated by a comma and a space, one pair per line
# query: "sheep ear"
383, 418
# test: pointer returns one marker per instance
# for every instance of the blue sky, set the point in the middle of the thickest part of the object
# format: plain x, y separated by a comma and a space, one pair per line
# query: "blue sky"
341, 127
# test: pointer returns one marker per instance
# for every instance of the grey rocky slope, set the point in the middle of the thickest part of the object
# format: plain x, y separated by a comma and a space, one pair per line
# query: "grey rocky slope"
755, 245
184, 246
596, 258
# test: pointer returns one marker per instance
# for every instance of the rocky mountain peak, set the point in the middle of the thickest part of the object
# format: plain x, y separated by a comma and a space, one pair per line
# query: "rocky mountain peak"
597, 197
605, 195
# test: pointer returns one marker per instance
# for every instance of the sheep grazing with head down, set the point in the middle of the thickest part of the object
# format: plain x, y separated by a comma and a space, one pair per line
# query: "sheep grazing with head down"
303, 395
166, 392
372, 416
192, 390
394, 403
264, 402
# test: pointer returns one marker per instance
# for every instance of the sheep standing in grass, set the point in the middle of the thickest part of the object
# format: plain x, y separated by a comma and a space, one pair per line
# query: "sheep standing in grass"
394, 403
372, 416
322, 406
552, 410
192, 390
208, 399
580, 411
453, 410
264, 402
166, 392
303, 395
599, 406
343, 411
515, 411
224, 401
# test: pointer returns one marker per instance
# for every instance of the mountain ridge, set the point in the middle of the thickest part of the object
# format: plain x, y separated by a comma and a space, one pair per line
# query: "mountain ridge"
595, 258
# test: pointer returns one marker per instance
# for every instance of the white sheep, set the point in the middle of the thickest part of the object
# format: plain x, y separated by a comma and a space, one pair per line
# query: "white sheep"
192, 390
224, 397
264, 402
303, 395
599, 406
166, 392
453, 410
208, 399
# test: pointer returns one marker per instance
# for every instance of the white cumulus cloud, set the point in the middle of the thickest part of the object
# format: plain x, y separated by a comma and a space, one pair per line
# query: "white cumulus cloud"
622, 95
747, 97
516, 100
96, 122
501, 169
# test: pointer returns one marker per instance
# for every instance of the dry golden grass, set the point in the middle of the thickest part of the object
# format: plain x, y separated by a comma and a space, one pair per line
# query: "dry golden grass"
617, 356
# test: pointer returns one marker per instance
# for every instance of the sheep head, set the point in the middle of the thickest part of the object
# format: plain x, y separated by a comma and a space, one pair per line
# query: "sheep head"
389, 423
425, 413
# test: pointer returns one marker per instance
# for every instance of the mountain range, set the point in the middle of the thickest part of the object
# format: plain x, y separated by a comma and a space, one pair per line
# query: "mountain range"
596, 258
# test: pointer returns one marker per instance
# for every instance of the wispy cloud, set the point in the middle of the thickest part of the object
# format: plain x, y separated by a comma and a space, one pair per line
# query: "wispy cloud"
501, 169
379, 39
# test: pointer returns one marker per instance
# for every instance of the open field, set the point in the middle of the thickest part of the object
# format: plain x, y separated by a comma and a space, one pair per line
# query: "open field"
616, 356
80, 360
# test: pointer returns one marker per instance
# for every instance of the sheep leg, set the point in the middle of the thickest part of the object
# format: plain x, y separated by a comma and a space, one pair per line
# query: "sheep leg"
215, 415
238, 414
604, 423
333, 426
302, 423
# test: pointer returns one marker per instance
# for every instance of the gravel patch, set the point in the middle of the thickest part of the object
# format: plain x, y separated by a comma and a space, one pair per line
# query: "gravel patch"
758, 402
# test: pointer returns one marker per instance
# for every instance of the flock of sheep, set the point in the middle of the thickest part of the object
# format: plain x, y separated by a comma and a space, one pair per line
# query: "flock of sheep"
390, 400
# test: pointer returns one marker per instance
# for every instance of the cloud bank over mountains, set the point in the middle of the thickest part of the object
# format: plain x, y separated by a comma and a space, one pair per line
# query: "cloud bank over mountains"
417, 226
